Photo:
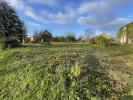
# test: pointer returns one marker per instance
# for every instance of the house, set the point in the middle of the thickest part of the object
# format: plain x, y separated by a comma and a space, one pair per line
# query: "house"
32, 39
125, 34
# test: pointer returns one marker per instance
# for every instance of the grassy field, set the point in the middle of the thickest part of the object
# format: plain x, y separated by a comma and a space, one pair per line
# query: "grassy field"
66, 72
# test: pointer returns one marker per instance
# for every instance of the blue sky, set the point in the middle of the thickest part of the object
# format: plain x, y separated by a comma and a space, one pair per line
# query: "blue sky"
76, 16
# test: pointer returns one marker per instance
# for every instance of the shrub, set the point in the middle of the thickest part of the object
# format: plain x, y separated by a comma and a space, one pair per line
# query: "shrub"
12, 43
71, 38
101, 41
2, 45
92, 40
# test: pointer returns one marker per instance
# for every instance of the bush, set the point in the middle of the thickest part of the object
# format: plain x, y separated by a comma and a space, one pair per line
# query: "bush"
2, 45
101, 41
92, 40
71, 38
9, 44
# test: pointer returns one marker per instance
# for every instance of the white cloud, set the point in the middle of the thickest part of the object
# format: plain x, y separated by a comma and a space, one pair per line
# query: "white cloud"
44, 16
119, 21
102, 5
29, 12
20, 5
100, 14
46, 2
104, 25
86, 20
86, 7
59, 17
34, 24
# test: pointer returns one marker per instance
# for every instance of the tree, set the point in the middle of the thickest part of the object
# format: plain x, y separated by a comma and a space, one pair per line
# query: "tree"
45, 36
59, 39
62, 39
55, 39
10, 24
71, 37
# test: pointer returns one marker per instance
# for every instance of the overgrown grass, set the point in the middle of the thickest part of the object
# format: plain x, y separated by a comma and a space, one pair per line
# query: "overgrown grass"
66, 72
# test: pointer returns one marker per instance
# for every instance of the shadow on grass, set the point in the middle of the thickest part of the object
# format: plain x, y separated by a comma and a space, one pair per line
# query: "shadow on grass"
126, 98
122, 53
11, 70
98, 82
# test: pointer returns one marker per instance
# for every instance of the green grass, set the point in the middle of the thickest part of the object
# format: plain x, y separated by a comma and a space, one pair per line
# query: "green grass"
66, 72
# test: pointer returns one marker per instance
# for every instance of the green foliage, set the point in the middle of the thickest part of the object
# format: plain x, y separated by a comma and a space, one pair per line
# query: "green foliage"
128, 28
10, 24
75, 70
2, 45
101, 41
71, 38
92, 40
59, 39
120, 33
45, 36
11, 43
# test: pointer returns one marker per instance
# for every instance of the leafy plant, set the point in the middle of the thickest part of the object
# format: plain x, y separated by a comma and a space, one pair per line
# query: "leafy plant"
101, 41
12, 43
